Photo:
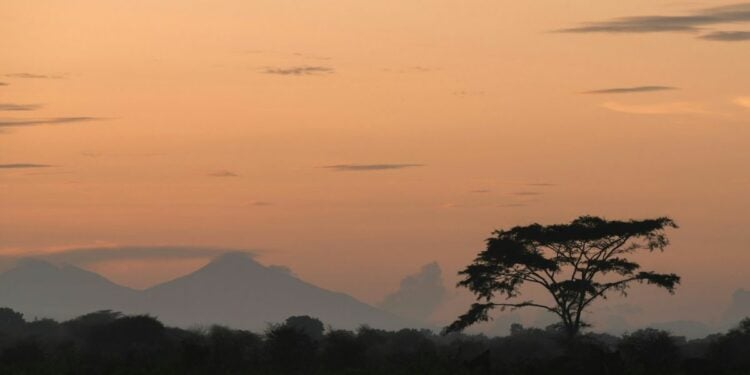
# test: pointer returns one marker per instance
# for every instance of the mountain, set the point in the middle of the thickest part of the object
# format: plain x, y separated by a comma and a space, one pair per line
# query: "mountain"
236, 290
232, 290
40, 289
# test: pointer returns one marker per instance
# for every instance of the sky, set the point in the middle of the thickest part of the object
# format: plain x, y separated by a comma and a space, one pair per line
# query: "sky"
355, 142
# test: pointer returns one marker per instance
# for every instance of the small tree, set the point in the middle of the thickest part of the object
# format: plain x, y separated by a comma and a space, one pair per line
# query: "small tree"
574, 263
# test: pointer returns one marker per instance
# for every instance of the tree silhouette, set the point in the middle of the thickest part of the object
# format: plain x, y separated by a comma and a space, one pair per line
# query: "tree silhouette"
10, 321
308, 325
575, 263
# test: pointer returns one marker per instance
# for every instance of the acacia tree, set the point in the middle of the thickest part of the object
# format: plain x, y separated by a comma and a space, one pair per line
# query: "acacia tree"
575, 263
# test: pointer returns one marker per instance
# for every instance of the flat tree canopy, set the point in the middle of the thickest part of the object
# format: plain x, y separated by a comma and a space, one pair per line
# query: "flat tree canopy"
575, 263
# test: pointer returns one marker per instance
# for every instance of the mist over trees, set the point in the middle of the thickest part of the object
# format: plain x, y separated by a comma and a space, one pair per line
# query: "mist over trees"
108, 342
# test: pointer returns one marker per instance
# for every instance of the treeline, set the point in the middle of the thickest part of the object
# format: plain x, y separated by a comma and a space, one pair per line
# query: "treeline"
107, 342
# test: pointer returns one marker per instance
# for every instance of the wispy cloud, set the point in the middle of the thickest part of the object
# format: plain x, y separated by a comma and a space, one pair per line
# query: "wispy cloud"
540, 184
223, 173
480, 191
369, 167
743, 101
692, 22
299, 70
666, 108
23, 166
3, 84
19, 107
6, 123
34, 76
629, 90
727, 36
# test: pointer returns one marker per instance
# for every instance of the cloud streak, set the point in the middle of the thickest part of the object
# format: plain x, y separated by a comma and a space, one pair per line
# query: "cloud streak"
48, 121
369, 167
727, 36
223, 173
19, 107
33, 76
629, 90
299, 70
23, 166
689, 23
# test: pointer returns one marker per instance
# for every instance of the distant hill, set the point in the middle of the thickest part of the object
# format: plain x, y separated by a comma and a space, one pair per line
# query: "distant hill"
40, 289
234, 290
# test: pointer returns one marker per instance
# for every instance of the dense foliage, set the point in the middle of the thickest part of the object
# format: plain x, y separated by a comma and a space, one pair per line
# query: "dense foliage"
107, 342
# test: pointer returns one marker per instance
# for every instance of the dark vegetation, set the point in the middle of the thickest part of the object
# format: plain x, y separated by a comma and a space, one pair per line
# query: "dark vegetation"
107, 342
574, 264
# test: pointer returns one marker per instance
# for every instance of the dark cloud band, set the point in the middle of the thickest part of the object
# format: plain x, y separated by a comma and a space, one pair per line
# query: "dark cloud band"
49, 121
299, 70
727, 36
629, 90
18, 107
693, 22
223, 173
23, 166
33, 76
370, 167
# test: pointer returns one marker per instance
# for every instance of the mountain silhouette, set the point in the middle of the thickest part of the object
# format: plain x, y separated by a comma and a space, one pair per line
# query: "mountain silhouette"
40, 289
233, 290
237, 291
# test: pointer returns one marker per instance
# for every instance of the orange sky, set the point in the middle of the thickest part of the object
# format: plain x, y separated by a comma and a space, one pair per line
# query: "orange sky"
196, 137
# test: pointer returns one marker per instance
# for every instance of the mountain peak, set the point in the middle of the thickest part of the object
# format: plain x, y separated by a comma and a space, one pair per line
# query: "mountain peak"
233, 261
35, 264
233, 257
